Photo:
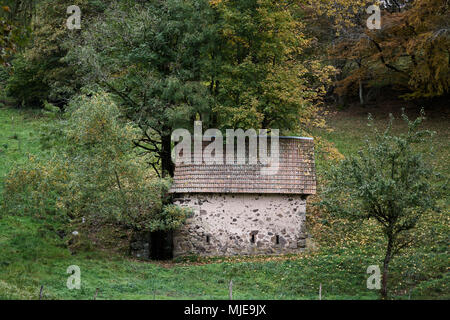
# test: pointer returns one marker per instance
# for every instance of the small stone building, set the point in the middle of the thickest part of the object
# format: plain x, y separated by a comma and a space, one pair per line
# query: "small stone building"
238, 211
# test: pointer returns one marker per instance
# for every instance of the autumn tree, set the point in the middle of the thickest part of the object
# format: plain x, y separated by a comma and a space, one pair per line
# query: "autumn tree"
15, 26
265, 78
388, 181
424, 35
409, 53
6, 44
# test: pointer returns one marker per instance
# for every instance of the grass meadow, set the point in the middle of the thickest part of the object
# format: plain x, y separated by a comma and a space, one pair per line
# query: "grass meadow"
32, 254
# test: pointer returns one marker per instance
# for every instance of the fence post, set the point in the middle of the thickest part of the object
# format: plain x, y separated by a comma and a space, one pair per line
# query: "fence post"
231, 289
320, 292
40, 292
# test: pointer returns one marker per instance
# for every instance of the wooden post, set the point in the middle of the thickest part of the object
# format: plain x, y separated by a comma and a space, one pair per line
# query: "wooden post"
231, 289
40, 292
320, 292
96, 292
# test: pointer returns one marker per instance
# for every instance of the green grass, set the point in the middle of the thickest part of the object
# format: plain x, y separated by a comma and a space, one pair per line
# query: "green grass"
30, 259
33, 255
19, 136
350, 130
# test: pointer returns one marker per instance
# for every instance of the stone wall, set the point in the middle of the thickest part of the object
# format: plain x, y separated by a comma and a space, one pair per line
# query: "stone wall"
152, 245
240, 224
140, 245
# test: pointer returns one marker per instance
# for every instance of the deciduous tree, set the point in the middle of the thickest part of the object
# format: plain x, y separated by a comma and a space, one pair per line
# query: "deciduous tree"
388, 181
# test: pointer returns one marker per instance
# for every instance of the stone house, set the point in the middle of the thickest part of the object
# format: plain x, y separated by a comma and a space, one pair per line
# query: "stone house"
238, 211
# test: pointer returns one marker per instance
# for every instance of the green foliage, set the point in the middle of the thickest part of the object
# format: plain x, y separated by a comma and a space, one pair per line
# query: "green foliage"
228, 63
153, 61
265, 78
39, 71
32, 253
170, 217
92, 172
35, 189
26, 84
388, 181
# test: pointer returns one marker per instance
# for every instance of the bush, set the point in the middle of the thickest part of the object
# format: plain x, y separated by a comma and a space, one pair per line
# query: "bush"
36, 188
92, 172
388, 182
26, 84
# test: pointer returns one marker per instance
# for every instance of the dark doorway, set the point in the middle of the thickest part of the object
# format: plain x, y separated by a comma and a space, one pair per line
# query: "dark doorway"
161, 245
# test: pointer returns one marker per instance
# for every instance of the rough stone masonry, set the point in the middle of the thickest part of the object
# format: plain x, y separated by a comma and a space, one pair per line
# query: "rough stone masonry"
233, 224
237, 211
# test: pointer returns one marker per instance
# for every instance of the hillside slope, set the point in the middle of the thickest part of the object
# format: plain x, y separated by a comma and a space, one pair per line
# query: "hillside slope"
32, 254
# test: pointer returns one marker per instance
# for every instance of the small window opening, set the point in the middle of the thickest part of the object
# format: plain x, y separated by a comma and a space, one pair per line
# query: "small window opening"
252, 239
207, 239
277, 239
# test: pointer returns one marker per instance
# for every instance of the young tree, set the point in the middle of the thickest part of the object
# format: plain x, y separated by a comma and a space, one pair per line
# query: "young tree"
388, 181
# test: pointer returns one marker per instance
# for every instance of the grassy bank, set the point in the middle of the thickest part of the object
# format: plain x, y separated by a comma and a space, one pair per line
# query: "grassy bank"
19, 136
33, 255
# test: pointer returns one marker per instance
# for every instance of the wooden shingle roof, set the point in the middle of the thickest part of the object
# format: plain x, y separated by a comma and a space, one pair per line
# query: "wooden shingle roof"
296, 173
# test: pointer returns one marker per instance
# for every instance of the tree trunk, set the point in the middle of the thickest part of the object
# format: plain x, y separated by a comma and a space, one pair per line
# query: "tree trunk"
387, 259
167, 166
361, 93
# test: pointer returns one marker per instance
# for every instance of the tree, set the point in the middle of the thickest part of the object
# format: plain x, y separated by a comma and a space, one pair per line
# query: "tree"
39, 72
388, 181
265, 78
151, 56
409, 53
15, 22
343, 23
91, 171
228, 63
6, 44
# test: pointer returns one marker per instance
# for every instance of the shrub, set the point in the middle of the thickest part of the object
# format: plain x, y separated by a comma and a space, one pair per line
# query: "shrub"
36, 188
388, 182
26, 84
92, 172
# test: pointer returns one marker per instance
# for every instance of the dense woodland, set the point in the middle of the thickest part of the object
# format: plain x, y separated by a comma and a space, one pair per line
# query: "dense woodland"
110, 94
